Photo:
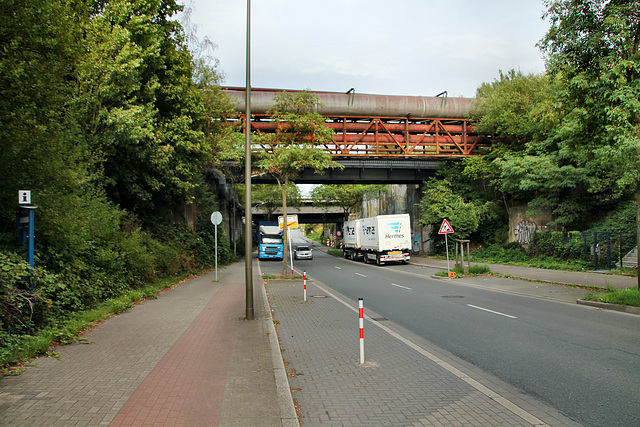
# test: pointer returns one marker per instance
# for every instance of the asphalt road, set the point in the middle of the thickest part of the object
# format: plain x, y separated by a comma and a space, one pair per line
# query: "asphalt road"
583, 362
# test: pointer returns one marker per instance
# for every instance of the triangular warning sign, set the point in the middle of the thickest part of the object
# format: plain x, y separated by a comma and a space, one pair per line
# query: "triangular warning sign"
445, 228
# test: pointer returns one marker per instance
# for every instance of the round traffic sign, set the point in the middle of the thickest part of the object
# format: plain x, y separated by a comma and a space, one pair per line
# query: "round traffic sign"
216, 218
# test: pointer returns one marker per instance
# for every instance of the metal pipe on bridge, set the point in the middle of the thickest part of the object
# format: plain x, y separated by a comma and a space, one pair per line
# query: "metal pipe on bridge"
366, 105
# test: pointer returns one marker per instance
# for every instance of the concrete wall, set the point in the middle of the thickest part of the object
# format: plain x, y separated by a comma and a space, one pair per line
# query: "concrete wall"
523, 225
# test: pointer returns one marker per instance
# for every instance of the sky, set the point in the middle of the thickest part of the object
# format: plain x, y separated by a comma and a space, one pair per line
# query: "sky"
399, 47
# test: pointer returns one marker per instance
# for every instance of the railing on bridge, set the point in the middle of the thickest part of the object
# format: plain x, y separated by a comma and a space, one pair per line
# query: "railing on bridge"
383, 126
393, 137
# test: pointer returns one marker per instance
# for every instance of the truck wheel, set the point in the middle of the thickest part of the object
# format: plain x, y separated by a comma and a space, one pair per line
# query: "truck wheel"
365, 258
378, 260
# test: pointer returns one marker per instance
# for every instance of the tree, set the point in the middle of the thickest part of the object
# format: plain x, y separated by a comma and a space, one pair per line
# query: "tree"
266, 197
512, 109
348, 196
440, 202
592, 49
295, 145
140, 111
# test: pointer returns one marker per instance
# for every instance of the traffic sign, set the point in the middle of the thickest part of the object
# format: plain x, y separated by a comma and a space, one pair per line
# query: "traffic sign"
216, 218
24, 197
445, 228
292, 221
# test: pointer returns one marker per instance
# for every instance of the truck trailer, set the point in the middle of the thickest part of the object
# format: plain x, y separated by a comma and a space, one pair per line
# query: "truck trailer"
378, 239
351, 247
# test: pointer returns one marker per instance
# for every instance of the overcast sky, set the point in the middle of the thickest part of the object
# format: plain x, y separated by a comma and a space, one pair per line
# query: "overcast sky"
400, 47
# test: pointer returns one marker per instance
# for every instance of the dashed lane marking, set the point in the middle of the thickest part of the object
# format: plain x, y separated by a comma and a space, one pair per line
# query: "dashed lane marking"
491, 311
496, 397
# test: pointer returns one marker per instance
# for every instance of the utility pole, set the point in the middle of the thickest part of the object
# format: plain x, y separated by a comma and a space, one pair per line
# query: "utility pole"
248, 238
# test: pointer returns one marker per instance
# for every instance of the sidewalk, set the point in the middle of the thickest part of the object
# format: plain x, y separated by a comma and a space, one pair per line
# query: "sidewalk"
405, 380
190, 358
187, 358
580, 278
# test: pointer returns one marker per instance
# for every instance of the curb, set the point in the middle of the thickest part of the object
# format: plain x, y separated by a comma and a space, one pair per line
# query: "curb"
288, 414
607, 306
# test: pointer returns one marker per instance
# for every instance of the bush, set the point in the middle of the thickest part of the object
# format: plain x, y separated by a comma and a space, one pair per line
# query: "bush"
478, 270
505, 253
21, 310
556, 244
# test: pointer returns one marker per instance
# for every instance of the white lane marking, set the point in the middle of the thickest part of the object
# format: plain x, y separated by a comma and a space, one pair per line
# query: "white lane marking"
495, 396
400, 286
360, 274
338, 267
491, 311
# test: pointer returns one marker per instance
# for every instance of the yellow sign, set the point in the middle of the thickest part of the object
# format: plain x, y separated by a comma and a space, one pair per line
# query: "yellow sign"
292, 221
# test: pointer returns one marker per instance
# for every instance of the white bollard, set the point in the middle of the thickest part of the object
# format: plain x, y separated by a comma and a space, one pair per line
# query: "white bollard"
305, 285
361, 321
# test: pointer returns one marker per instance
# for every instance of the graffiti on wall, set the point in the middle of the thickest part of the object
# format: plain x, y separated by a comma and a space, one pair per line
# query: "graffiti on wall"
524, 231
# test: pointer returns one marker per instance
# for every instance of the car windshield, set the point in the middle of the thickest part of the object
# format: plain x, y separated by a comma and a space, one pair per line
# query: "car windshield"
303, 248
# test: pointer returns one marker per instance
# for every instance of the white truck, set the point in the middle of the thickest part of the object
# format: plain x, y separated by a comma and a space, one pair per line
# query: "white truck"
378, 239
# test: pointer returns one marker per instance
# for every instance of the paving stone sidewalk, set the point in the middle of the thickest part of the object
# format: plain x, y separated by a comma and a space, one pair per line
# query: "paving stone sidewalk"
186, 358
405, 380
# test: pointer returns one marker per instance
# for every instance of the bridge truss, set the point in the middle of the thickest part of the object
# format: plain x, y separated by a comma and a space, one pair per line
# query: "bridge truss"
393, 137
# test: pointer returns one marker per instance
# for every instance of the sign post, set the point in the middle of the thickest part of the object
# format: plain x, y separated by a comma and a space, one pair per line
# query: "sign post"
292, 222
216, 219
446, 229
26, 223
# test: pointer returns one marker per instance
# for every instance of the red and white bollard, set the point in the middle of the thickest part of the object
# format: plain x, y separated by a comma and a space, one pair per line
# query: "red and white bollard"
305, 285
361, 321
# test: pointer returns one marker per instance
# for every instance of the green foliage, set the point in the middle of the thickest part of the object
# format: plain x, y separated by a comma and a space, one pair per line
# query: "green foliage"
20, 309
557, 244
349, 197
512, 109
630, 296
479, 270
501, 253
104, 120
267, 198
593, 58
440, 202
515, 253
474, 270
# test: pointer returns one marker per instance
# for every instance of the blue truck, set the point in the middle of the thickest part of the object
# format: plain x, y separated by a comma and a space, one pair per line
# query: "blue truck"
270, 241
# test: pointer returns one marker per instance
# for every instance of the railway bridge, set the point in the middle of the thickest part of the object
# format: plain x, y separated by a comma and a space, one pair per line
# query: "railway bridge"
379, 138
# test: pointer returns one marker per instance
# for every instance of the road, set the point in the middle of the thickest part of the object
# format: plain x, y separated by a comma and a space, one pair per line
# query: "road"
581, 361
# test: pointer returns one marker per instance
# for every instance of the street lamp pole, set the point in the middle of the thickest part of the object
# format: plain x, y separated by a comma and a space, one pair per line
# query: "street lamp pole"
248, 245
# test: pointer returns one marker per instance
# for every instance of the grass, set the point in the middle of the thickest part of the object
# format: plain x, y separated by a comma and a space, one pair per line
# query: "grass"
629, 296
335, 252
279, 276
26, 347
474, 270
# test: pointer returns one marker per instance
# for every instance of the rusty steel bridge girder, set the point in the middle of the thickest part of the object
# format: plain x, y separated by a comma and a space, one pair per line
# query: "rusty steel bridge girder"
385, 136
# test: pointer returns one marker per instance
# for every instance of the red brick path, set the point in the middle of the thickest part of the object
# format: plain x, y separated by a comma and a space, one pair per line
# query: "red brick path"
187, 386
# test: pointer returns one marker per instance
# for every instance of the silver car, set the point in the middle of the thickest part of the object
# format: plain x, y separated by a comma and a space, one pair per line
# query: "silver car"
303, 252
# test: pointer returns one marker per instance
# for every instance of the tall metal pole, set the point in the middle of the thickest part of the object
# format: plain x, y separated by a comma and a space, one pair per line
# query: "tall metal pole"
248, 238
